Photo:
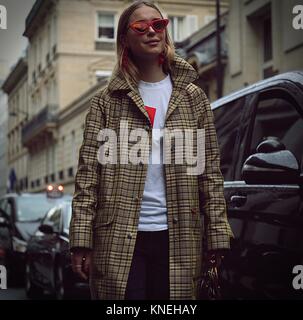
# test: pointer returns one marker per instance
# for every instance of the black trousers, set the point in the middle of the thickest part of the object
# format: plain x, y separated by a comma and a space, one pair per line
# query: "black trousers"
149, 274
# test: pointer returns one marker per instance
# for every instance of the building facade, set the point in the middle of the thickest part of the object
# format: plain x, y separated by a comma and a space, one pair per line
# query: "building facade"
258, 40
16, 88
3, 131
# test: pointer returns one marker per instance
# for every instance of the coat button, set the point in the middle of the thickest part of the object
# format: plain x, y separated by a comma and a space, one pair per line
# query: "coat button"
175, 220
194, 210
129, 236
137, 198
147, 127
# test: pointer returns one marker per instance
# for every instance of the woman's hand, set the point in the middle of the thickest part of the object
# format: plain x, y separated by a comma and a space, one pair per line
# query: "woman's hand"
81, 262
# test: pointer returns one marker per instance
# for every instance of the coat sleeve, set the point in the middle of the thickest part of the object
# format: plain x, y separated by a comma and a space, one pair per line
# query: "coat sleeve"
87, 179
211, 182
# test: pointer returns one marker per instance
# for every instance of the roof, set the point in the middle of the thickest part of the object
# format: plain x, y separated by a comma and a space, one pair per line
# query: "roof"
295, 77
18, 72
36, 15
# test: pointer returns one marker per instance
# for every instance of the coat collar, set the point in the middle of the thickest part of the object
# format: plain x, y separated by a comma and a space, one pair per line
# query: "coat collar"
182, 74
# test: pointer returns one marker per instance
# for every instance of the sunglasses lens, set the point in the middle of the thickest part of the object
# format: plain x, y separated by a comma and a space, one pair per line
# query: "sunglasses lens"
140, 27
159, 25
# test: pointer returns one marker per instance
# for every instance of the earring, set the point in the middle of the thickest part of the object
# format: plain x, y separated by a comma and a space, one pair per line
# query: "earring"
161, 58
125, 58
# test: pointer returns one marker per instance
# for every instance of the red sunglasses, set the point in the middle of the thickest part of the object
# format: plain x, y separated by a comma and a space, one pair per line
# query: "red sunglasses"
141, 27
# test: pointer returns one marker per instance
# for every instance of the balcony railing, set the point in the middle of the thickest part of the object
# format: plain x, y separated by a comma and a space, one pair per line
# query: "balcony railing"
42, 125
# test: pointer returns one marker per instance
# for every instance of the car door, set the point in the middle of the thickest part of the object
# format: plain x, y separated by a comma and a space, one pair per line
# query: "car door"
5, 238
47, 246
267, 218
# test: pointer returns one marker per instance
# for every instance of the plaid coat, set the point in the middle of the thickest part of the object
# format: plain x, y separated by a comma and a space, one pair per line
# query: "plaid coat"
107, 198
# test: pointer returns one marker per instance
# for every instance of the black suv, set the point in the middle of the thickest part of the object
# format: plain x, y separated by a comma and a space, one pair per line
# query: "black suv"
20, 216
260, 134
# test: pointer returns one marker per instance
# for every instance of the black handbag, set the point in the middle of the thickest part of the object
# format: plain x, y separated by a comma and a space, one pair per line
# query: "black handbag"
209, 284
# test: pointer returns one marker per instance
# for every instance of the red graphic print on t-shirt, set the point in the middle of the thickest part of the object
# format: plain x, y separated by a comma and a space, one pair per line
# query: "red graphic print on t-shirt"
151, 113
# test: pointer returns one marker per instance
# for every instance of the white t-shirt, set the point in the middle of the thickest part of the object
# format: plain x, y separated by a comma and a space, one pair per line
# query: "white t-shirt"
153, 214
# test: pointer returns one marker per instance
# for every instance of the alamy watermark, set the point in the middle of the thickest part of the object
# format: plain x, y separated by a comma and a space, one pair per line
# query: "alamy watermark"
297, 21
297, 281
3, 277
3, 17
188, 147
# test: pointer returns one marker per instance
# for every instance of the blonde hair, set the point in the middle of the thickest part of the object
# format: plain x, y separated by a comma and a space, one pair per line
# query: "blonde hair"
131, 72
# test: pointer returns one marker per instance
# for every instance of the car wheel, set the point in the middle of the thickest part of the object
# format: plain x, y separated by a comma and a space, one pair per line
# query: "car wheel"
32, 291
61, 289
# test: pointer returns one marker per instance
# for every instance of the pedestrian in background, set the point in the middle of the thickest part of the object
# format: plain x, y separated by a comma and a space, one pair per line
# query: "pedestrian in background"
136, 229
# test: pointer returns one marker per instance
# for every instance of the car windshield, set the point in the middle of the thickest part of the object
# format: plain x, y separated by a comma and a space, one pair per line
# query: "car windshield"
33, 207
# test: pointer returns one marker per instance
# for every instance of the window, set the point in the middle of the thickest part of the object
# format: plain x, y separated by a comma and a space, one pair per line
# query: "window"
6, 206
52, 177
67, 216
74, 148
227, 122
181, 27
267, 40
106, 26
26, 211
34, 77
9, 208
3, 204
61, 175
63, 151
277, 117
53, 218
71, 172
176, 27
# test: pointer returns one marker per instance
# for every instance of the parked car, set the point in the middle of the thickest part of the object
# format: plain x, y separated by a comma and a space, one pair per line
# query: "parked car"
260, 134
48, 263
20, 216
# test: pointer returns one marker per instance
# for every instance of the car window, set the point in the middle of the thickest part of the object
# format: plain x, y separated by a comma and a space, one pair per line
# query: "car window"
3, 205
33, 207
53, 218
67, 216
278, 117
9, 208
227, 122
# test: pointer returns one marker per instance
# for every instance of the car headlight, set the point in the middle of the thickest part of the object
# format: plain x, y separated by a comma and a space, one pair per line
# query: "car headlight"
19, 245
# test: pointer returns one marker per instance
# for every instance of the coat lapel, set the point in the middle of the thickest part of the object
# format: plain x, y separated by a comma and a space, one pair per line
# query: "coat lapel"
182, 74
135, 96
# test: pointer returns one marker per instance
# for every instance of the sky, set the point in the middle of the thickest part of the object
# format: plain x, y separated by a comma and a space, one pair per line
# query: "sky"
12, 43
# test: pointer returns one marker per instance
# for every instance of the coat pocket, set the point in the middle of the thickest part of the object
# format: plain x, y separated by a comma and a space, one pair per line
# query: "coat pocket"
105, 214
103, 237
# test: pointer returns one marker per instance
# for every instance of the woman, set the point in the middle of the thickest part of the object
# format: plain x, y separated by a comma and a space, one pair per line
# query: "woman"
136, 229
